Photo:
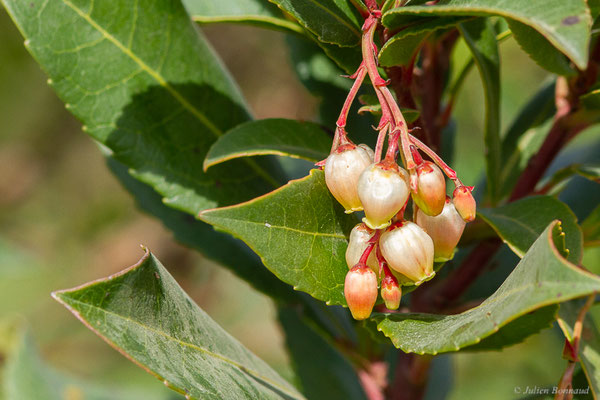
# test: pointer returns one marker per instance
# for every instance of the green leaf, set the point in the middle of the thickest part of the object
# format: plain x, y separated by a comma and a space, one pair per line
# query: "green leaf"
525, 135
591, 100
520, 223
401, 47
480, 36
299, 231
143, 313
518, 330
540, 50
27, 376
589, 345
591, 228
542, 278
558, 181
565, 24
283, 137
252, 12
323, 371
217, 246
158, 101
332, 21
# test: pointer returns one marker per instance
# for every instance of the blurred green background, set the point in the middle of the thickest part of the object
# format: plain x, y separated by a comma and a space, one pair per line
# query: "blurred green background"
65, 220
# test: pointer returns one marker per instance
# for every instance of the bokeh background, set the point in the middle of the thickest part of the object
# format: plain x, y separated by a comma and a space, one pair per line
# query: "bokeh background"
65, 220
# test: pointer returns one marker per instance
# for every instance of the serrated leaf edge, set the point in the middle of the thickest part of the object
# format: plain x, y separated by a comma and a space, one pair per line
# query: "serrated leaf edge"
564, 48
60, 296
555, 224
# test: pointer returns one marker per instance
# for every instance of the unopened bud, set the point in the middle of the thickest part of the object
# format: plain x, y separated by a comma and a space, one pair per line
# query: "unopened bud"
383, 191
408, 250
464, 202
391, 292
430, 192
358, 242
445, 230
360, 290
342, 170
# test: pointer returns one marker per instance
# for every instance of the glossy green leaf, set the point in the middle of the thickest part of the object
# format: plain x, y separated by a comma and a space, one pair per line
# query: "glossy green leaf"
521, 222
332, 21
27, 377
480, 36
401, 47
143, 313
283, 137
525, 135
565, 24
217, 246
591, 228
323, 371
542, 278
518, 330
540, 50
252, 12
158, 101
589, 346
299, 231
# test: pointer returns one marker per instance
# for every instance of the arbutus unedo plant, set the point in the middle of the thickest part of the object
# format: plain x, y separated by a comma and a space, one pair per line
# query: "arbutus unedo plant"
382, 191
383, 256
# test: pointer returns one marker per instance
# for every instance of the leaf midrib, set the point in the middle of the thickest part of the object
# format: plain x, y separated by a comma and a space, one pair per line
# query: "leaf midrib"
285, 228
335, 16
549, 31
234, 363
162, 82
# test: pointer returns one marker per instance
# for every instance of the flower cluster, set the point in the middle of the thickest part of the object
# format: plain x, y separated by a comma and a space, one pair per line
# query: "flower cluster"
386, 250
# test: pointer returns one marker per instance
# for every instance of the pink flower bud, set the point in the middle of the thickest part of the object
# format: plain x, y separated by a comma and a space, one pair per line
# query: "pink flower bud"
464, 202
360, 290
342, 170
430, 193
408, 250
445, 230
383, 191
391, 292
358, 242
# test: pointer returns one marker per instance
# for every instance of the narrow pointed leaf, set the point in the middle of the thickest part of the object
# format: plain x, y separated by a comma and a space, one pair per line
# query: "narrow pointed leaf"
143, 313
251, 12
323, 371
520, 223
542, 278
283, 137
480, 36
300, 233
146, 84
332, 21
565, 24
525, 135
